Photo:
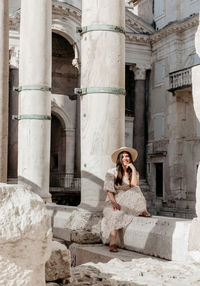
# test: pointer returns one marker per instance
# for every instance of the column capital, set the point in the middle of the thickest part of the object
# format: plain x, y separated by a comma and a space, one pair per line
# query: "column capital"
139, 71
14, 56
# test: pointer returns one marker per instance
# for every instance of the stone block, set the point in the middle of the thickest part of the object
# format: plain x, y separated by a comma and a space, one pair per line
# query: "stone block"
58, 267
84, 226
25, 238
162, 237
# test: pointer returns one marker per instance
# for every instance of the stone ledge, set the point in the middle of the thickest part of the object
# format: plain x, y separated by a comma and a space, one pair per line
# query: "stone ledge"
163, 237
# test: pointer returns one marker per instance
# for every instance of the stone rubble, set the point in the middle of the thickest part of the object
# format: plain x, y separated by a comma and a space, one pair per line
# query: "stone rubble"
138, 272
58, 267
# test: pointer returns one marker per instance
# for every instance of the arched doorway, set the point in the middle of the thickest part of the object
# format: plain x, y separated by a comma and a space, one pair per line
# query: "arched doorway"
58, 151
64, 125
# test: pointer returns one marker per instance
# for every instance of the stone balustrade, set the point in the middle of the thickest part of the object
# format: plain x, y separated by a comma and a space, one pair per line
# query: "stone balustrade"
180, 79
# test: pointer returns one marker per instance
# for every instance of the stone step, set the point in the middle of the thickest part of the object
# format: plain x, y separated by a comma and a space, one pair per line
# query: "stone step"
99, 253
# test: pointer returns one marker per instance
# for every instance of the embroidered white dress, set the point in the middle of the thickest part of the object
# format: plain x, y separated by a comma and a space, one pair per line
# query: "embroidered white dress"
130, 199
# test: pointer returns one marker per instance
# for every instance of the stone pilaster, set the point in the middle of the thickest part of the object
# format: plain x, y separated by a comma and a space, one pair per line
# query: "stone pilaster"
102, 113
35, 96
139, 118
4, 74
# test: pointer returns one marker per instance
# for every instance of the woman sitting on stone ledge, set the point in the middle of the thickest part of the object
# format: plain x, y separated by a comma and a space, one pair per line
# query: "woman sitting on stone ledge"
124, 198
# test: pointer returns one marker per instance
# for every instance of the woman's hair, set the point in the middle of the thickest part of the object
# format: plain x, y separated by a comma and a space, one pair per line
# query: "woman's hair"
120, 169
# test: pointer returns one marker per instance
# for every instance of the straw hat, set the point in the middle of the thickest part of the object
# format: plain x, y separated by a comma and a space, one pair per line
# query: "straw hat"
132, 151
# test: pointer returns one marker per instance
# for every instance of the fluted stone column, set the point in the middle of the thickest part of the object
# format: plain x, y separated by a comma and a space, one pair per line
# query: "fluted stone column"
103, 112
35, 97
139, 118
4, 74
194, 242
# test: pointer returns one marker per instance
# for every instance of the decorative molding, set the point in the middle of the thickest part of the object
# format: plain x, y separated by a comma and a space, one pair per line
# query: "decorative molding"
62, 10
137, 38
137, 25
177, 26
65, 9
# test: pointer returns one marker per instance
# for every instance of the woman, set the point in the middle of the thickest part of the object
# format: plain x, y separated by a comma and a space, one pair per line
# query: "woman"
124, 197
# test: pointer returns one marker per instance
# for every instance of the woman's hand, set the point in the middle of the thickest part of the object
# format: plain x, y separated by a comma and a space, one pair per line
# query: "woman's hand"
131, 166
115, 205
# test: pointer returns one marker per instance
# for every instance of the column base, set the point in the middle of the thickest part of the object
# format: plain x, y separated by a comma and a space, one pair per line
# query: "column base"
47, 199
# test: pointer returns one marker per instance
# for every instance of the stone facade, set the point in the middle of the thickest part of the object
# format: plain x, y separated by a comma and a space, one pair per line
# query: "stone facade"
159, 54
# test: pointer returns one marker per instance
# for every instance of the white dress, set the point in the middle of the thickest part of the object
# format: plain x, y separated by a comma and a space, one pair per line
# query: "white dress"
131, 201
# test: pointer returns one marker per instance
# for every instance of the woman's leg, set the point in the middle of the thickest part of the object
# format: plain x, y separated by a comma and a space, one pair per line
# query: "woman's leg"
113, 239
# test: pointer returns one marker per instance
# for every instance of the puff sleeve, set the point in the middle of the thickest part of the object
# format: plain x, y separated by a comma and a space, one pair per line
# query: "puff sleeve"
109, 184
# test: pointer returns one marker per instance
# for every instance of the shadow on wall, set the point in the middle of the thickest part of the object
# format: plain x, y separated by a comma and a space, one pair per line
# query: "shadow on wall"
97, 184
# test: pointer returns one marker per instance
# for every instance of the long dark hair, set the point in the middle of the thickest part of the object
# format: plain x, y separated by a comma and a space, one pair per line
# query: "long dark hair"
120, 169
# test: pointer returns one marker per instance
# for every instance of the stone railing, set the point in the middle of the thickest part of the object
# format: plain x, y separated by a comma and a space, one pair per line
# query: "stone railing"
180, 79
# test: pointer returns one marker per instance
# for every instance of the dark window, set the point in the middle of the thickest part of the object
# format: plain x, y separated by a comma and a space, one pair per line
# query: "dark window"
159, 179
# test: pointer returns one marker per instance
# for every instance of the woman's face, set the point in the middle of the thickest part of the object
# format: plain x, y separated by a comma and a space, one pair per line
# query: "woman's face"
125, 159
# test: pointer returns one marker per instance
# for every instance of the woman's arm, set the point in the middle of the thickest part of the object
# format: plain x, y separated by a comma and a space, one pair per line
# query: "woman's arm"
111, 197
135, 176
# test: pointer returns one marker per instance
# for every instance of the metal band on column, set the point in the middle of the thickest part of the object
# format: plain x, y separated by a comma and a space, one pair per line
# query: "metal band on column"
107, 28
90, 90
31, 116
32, 87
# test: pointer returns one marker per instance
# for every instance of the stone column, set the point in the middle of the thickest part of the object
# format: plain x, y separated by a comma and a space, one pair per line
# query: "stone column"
102, 109
70, 152
4, 74
194, 242
35, 96
139, 118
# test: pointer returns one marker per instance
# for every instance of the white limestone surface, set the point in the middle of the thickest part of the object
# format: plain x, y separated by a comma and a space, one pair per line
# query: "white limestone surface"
151, 272
35, 72
102, 114
59, 264
163, 237
25, 237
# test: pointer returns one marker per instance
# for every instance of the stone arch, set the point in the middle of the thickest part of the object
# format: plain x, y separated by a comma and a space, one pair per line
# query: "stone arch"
61, 115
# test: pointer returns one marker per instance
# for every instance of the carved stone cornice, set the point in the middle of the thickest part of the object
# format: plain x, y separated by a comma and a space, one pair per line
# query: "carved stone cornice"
137, 25
174, 27
62, 10
65, 10
137, 38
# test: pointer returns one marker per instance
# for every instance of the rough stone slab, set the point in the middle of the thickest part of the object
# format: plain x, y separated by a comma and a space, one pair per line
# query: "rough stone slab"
58, 267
